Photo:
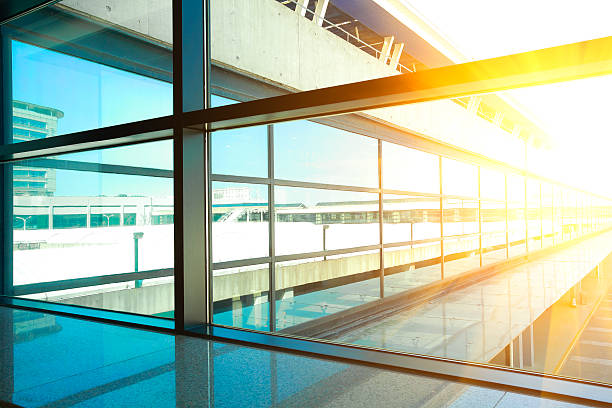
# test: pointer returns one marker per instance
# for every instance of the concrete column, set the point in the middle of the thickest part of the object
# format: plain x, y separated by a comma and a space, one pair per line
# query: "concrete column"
320, 11
122, 215
88, 216
301, 7
397, 53
386, 49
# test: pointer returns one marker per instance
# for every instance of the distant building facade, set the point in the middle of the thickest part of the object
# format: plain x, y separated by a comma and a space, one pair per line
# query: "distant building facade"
33, 122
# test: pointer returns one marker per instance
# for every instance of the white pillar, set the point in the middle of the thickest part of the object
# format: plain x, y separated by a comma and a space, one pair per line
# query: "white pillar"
386, 49
320, 11
301, 6
397, 53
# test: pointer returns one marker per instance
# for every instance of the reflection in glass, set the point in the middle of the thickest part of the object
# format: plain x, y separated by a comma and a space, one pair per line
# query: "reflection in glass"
410, 218
99, 95
313, 288
310, 220
459, 178
309, 151
239, 221
410, 170
240, 297
410, 266
240, 152
90, 219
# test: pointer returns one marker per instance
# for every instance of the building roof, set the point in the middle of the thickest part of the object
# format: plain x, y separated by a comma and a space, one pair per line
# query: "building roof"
43, 110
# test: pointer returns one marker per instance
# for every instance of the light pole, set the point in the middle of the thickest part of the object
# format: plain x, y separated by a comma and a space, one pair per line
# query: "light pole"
137, 237
107, 219
24, 220
325, 228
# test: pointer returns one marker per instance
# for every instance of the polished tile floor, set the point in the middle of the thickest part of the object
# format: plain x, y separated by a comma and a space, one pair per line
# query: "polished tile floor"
54, 361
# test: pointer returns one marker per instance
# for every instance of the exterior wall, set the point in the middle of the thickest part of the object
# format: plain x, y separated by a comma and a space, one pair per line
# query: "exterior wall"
266, 40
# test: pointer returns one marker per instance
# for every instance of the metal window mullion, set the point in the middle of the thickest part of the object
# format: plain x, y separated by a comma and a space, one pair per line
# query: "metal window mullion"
6, 170
441, 219
526, 215
381, 264
507, 228
479, 219
271, 233
191, 77
541, 220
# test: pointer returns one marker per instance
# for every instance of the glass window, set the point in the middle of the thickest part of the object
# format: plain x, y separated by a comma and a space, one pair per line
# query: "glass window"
410, 170
459, 178
312, 220
241, 152
461, 254
460, 217
314, 288
410, 218
492, 184
95, 219
240, 221
240, 297
493, 218
70, 73
309, 151
410, 266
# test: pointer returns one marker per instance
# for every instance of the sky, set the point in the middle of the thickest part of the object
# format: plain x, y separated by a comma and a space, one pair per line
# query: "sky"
574, 114
91, 96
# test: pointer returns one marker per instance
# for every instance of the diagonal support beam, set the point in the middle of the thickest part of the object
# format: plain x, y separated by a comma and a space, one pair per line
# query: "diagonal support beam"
386, 49
301, 6
556, 64
397, 54
320, 11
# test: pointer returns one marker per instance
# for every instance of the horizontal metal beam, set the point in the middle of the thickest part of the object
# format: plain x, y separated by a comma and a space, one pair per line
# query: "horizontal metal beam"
549, 65
96, 167
111, 136
44, 287
332, 252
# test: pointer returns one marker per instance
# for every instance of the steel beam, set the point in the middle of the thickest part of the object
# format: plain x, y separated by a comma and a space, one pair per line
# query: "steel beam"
550, 65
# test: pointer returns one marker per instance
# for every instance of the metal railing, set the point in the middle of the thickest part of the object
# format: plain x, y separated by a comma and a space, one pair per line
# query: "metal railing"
348, 36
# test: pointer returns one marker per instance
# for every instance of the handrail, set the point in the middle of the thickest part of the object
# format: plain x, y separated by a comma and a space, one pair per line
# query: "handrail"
401, 68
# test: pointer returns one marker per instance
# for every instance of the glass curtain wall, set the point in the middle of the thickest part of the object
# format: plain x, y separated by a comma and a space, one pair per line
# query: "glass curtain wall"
93, 228
336, 241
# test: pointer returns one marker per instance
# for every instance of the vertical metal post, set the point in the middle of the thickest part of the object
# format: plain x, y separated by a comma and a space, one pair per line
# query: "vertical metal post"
6, 170
441, 219
137, 237
553, 221
479, 220
576, 215
380, 222
191, 77
271, 232
506, 201
541, 220
526, 215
